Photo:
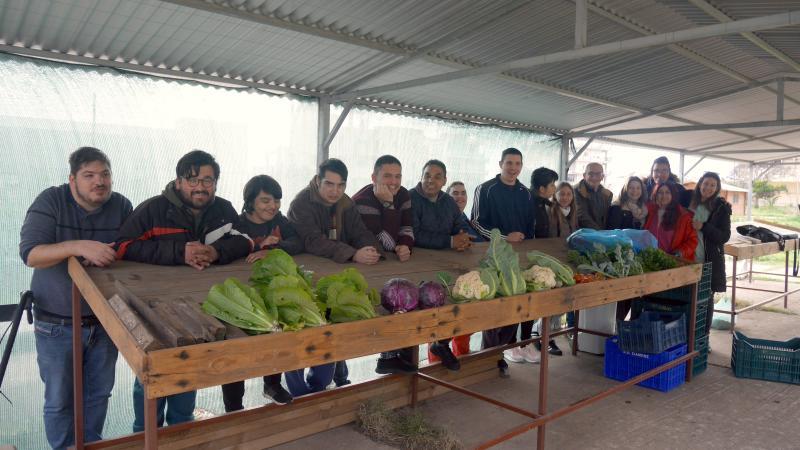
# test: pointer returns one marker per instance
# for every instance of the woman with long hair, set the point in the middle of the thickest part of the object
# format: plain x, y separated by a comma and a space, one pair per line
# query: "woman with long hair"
563, 212
630, 209
671, 223
661, 172
712, 222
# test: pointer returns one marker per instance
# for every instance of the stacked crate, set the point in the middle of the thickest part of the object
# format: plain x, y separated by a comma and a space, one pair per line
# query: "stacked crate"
679, 300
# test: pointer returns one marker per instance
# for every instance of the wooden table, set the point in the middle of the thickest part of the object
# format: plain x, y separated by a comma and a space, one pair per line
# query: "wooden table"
175, 370
747, 251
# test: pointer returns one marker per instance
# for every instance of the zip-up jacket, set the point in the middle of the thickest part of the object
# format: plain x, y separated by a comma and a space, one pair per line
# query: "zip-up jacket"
593, 205
392, 225
435, 222
541, 217
159, 228
507, 208
331, 231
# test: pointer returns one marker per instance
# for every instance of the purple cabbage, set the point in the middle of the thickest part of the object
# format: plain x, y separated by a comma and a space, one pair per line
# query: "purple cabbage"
399, 295
432, 295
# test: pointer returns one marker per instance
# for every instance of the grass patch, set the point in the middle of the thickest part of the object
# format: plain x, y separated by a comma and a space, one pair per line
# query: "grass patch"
784, 215
777, 310
403, 428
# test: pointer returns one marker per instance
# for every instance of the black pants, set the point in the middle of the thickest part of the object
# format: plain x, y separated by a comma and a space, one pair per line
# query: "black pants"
406, 354
499, 336
340, 373
233, 393
525, 330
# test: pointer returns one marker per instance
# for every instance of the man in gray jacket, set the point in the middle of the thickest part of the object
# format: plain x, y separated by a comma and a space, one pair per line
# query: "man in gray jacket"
592, 198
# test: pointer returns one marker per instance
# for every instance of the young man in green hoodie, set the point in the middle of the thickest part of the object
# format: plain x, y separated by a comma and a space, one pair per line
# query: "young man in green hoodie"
186, 224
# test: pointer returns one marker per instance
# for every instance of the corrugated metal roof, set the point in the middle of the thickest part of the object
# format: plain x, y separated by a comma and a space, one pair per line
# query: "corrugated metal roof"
322, 46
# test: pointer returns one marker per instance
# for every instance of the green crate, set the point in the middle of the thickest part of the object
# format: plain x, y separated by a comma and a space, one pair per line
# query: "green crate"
700, 362
766, 360
684, 293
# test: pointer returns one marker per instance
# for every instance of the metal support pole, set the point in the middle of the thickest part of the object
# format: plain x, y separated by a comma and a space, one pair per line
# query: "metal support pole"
545, 331
786, 282
323, 127
576, 332
733, 294
692, 332
750, 195
581, 20
77, 366
563, 158
779, 113
682, 166
688, 171
580, 152
339, 121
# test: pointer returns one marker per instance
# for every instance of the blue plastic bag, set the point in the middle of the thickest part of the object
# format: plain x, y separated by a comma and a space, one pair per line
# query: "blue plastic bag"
584, 240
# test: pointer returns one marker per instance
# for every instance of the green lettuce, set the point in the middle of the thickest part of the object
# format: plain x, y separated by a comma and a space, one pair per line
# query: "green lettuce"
240, 305
504, 262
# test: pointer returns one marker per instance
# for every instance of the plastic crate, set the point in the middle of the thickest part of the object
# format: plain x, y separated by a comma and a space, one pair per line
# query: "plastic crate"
674, 306
766, 360
652, 332
684, 293
700, 363
622, 366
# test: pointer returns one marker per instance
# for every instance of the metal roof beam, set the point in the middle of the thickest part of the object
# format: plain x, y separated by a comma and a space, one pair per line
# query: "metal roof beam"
663, 148
779, 106
683, 128
694, 165
744, 141
752, 152
579, 152
761, 43
686, 104
581, 23
776, 160
707, 31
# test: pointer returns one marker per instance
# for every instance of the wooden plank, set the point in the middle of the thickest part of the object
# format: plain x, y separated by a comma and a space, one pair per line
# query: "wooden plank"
211, 364
273, 425
165, 333
749, 251
116, 330
145, 338
187, 316
215, 328
170, 317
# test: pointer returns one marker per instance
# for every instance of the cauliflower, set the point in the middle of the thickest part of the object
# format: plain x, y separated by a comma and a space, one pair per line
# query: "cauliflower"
539, 278
475, 285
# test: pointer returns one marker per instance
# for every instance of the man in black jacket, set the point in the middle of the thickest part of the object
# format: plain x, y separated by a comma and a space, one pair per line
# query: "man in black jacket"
186, 224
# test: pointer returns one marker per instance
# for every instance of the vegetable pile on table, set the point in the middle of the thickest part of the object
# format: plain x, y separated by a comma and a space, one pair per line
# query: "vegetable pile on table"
347, 296
620, 261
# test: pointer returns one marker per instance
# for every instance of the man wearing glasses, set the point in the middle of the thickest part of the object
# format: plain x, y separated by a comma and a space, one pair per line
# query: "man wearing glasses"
186, 224
592, 198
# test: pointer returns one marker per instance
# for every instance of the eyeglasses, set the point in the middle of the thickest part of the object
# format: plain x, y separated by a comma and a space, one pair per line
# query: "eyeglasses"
207, 182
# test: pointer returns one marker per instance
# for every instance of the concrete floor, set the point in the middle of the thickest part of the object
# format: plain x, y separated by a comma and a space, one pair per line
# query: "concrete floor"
715, 411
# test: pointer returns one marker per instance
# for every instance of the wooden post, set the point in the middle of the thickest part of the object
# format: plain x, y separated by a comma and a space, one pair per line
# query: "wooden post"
415, 378
733, 295
150, 421
77, 366
545, 332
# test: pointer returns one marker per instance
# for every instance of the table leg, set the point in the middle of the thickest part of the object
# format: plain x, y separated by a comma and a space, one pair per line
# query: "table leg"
786, 282
691, 331
150, 425
77, 366
733, 295
545, 331
415, 378
575, 333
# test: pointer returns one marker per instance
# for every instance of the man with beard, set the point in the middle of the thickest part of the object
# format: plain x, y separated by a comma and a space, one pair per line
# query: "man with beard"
186, 224
81, 219
439, 224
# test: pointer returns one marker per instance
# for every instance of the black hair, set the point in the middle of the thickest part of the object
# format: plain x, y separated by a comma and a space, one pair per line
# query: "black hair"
333, 165
258, 184
86, 155
697, 197
542, 177
510, 151
661, 160
454, 184
189, 165
672, 210
437, 163
383, 160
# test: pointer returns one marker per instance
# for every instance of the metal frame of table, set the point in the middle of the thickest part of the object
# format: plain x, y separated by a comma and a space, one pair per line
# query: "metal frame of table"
182, 369
749, 252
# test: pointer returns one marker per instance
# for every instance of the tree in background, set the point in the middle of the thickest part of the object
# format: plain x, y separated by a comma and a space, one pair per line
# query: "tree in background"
763, 189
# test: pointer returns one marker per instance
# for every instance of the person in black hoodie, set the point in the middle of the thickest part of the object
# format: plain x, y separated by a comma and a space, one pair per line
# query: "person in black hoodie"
660, 173
186, 224
712, 221
262, 221
630, 210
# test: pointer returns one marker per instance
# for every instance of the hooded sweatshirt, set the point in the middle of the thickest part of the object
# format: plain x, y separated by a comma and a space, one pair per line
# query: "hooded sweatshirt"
331, 231
158, 229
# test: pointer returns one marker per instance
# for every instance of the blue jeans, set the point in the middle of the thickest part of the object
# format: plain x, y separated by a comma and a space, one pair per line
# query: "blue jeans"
54, 356
318, 378
180, 407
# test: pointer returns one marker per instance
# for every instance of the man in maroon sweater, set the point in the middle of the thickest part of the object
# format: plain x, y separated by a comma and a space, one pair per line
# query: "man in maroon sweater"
385, 208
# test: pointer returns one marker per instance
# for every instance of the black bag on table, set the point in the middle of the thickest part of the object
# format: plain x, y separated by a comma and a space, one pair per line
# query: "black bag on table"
767, 235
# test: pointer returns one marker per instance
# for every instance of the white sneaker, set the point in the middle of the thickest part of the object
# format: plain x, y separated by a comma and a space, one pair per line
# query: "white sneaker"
530, 354
513, 355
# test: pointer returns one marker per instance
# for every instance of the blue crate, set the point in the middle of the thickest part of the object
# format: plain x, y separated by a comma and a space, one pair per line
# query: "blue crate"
673, 306
652, 332
623, 366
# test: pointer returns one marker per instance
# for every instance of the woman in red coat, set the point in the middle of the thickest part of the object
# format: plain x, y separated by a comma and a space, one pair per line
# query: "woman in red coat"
671, 223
